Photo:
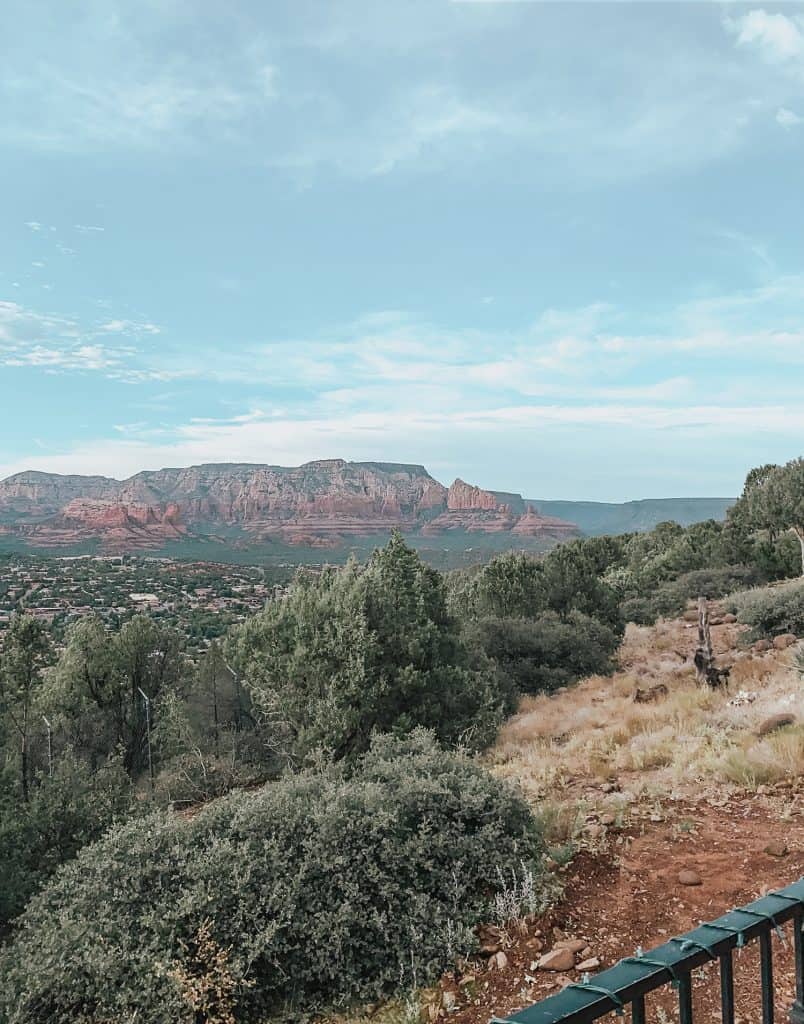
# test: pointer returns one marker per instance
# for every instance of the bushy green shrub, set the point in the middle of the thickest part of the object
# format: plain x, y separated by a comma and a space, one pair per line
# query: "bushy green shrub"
771, 611
62, 814
541, 654
324, 887
671, 597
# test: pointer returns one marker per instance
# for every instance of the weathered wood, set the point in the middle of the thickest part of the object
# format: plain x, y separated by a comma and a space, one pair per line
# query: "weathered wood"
703, 655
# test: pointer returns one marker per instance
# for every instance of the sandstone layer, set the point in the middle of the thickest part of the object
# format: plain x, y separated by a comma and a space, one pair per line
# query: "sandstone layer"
319, 504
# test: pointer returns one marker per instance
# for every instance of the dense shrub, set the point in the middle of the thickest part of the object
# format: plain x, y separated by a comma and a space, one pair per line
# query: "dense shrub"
323, 888
61, 815
541, 654
672, 596
359, 650
771, 611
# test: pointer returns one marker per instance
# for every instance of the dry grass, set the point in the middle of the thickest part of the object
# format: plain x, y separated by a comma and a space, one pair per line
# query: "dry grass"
559, 746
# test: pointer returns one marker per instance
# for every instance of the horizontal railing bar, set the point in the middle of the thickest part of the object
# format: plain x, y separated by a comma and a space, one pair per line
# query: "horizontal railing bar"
629, 979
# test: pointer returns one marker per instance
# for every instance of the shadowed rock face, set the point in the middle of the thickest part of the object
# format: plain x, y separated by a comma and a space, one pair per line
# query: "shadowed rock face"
318, 504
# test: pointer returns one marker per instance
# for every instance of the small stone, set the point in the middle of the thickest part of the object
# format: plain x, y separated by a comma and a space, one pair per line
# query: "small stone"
761, 646
776, 848
593, 831
562, 981
776, 722
688, 877
448, 999
557, 960
573, 945
499, 961
781, 643
607, 818
591, 964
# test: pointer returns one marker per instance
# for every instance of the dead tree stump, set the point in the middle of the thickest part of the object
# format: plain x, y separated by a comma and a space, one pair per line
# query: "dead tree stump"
705, 668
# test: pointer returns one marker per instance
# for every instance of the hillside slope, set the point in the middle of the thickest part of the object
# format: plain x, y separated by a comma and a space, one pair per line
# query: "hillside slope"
596, 517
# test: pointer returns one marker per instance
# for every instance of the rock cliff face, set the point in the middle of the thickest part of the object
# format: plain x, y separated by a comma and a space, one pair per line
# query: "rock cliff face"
318, 504
475, 510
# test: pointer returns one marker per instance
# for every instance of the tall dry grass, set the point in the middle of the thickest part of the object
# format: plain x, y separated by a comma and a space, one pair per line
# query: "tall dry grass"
595, 732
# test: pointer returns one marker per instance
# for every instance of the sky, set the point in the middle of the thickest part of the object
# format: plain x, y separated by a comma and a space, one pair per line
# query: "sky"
554, 248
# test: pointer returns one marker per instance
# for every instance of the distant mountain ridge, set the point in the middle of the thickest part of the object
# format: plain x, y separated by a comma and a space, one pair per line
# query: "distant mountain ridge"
596, 518
327, 503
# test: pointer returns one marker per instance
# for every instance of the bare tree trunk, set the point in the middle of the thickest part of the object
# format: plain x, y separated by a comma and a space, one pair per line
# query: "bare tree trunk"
704, 658
799, 532
24, 757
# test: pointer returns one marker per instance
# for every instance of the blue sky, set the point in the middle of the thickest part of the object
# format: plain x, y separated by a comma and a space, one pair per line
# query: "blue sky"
553, 248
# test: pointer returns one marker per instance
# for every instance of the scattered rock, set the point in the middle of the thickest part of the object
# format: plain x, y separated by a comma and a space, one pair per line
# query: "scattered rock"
688, 877
761, 646
591, 964
776, 722
781, 643
562, 981
691, 615
609, 787
729, 618
448, 1001
777, 848
593, 830
650, 694
573, 945
716, 621
607, 818
498, 962
557, 960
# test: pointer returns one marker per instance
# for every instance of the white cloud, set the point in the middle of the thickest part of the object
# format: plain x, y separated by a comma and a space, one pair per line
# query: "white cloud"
394, 435
129, 327
34, 225
787, 118
87, 229
778, 37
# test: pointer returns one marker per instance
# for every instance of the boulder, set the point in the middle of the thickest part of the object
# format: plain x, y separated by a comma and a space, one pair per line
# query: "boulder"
688, 877
573, 945
557, 960
776, 722
761, 646
776, 848
781, 643
498, 962
591, 964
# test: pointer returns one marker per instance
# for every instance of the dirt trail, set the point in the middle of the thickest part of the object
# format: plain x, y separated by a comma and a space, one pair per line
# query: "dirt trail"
676, 809
627, 894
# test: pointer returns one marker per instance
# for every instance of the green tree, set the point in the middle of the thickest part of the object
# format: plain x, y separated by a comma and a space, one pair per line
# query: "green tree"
773, 500
363, 649
26, 653
97, 688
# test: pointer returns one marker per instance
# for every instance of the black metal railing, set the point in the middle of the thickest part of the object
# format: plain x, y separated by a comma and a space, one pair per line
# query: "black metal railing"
629, 981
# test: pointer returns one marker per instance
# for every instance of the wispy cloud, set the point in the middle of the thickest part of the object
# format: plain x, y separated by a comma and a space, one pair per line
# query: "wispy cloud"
787, 118
778, 37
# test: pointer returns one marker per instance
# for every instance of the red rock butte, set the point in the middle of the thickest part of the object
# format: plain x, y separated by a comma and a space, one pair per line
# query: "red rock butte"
319, 504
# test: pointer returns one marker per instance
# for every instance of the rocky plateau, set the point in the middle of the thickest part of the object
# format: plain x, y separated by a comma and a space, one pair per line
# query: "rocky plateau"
320, 504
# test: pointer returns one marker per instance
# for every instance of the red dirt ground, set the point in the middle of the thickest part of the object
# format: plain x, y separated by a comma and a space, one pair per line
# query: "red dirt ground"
628, 895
